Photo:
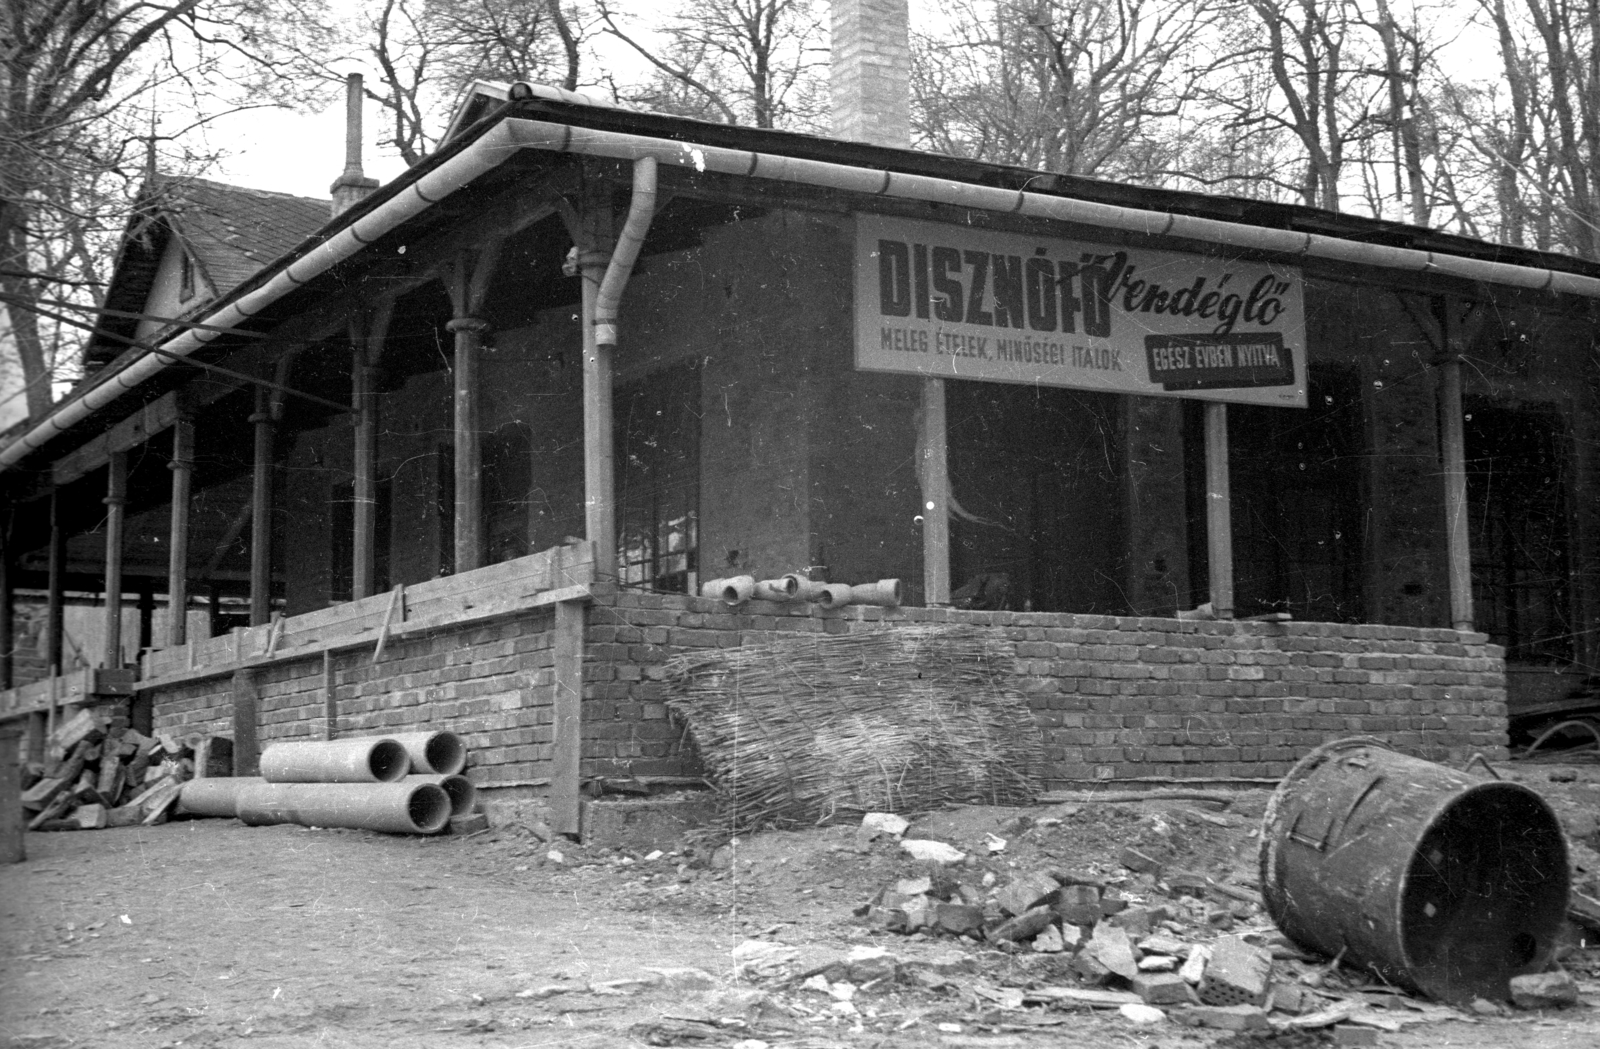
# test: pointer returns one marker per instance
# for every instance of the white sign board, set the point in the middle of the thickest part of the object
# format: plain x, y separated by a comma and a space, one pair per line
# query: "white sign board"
951, 301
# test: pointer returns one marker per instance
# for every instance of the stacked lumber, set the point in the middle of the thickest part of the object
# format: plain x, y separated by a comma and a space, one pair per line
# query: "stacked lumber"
101, 774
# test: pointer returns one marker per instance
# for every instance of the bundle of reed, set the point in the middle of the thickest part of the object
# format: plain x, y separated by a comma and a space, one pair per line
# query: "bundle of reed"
813, 728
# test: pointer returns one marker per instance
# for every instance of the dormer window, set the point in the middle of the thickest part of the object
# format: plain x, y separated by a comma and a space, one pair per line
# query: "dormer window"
185, 276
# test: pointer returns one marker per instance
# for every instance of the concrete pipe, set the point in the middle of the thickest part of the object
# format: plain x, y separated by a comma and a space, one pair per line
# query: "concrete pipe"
378, 759
885, 593
394, 808
736, 590
462, 794
804, 589
216, 796
444, 753
834, 595
712, 587
776, 589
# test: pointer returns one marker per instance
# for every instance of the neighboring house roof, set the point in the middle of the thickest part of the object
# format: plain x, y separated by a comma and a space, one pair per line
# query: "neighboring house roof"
231, 232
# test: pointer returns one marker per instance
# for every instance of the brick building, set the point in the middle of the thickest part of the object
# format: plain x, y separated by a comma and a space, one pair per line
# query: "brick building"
463, 456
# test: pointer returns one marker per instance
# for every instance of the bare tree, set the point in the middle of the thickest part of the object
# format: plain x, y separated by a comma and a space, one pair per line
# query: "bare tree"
1084, 88
758, 62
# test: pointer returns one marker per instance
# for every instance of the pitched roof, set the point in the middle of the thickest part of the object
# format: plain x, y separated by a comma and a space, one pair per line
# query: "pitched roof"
232, 231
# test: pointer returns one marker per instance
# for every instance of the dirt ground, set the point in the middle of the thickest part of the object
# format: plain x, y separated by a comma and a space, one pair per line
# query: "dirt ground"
210, 933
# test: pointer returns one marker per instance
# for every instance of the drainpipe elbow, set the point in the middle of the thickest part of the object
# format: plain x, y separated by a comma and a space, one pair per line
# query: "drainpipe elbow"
641, 212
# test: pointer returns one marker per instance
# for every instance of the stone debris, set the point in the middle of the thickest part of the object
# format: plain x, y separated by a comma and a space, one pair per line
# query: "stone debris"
99, 772
932, 851
1551, 990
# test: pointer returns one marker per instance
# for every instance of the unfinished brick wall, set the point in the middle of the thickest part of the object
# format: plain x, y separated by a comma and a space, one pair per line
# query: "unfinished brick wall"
1115, 698
491, 683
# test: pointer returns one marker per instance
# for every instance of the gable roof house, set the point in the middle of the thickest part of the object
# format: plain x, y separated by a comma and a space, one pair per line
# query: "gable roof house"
468, 453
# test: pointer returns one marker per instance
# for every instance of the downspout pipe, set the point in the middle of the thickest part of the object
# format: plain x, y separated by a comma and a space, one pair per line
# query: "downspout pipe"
641, 212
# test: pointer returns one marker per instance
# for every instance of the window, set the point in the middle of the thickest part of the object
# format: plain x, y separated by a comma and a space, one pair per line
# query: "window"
186, 275
507, 483
1518, 530
658, 479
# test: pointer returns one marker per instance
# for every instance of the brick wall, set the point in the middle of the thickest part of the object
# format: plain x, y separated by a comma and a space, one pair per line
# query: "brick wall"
1115, 698
491, 683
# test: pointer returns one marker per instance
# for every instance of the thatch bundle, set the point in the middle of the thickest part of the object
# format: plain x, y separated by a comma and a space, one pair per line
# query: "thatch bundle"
809, 728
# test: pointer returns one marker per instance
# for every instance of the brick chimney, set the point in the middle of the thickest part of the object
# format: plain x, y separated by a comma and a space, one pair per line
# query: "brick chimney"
871, 75
352, 186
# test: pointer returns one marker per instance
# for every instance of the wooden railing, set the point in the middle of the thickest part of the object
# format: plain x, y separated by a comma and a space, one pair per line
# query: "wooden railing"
562, 573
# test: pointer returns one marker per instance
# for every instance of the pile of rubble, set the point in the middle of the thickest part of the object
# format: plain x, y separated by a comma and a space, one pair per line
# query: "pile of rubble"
101, 773
1152, 943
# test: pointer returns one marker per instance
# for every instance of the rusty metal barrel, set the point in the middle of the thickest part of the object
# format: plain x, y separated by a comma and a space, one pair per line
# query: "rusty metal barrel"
1435, 880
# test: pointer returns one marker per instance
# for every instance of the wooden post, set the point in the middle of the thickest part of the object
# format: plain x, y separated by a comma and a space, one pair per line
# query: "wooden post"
12, 849
8, 630
1453, 449
468, 443
595, 242
366, 342
55, 615
182, 466
330, 697
566, 756
935, 470
261, 513
116, 501
1219, 510
246, 748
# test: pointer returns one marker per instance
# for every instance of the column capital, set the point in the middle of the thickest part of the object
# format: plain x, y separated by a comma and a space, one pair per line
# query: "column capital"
459, 324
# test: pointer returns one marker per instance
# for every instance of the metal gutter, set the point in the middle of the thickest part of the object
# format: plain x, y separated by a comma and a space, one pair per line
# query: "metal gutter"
512, 134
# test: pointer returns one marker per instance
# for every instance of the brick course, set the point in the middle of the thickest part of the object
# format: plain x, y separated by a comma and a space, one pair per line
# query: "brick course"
1113, 698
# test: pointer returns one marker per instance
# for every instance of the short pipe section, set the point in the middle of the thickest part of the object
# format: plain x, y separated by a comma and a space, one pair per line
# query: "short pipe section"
459, 789
375, 759
834, 595
779, 590
444, 753
392, 808
885, 593
214, 796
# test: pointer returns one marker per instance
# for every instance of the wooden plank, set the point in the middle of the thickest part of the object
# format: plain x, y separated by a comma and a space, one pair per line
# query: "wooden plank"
1219, 510
566, 759
125, 436
246, 749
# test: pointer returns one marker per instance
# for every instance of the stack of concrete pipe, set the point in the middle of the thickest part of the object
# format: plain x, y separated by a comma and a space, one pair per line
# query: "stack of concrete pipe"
409, 783
736, 590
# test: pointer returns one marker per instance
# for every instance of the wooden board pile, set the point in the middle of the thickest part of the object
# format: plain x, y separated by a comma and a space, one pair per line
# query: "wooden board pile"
102, 774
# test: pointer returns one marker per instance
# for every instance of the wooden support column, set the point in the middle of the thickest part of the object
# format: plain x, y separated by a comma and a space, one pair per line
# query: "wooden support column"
566, 758
1453, 450
246, 748
12, 849
116, 502
933, 442
330, 697
55, 613
468, 284
261, 512
8, 629
595, 236
1219, 511
182, 467
366, 344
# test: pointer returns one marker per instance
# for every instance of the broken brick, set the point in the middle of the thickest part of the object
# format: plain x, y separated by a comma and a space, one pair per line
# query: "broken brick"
1027, 892
1161, 988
